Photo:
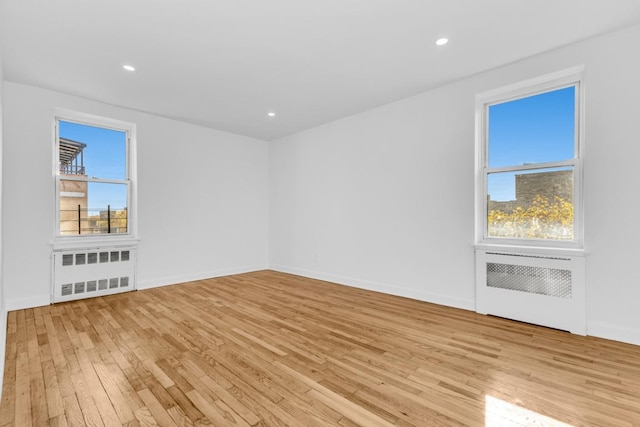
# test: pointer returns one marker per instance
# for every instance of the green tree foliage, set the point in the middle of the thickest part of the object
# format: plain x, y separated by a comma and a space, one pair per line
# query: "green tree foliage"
99, 223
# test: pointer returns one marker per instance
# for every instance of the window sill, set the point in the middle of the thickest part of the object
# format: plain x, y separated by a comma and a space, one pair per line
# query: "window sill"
90, 242
538, 250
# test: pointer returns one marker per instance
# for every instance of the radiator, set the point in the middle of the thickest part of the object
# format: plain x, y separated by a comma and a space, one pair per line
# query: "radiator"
534, 288
90, 273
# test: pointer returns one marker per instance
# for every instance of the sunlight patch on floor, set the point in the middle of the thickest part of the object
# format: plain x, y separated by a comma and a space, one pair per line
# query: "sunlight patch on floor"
499, 413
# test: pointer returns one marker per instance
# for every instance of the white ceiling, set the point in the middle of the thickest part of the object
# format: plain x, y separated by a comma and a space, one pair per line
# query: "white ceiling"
225, 63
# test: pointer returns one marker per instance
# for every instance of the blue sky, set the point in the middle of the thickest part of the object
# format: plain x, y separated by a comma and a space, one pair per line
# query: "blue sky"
104, 157
536, 129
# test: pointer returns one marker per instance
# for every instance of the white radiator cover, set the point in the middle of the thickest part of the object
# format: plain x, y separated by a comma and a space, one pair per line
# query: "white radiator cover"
86, 273
547, 290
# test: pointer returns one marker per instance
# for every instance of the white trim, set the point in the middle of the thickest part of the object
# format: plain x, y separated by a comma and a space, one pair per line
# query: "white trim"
43, 300
92, 179
91, 120
420, 295
130, 180
531, 250
89, 241
175, 280
540, 244
614, 332
546, 83
71, 194
480, 185
534, 166
29, 302
542, 83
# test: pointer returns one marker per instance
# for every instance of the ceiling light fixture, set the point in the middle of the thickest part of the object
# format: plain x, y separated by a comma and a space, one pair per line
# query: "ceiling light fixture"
442, 41
271, 114
129, 67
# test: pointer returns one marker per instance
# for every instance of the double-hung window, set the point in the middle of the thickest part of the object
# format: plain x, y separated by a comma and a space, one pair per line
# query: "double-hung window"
94, 171
529, 163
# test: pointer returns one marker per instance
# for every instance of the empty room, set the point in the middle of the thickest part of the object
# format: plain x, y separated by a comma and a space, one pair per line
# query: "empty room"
319, 213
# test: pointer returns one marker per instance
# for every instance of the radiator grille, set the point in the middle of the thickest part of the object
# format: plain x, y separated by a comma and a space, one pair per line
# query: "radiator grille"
82, 258
92, 285
88, 273
543, 287
535, 280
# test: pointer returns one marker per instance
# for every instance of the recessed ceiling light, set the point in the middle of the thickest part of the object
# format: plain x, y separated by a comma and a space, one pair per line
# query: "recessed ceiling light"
271, 114
442, 41
129, 67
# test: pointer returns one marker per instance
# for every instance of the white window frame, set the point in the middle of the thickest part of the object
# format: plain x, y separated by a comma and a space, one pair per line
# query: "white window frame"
546, 83
86, 240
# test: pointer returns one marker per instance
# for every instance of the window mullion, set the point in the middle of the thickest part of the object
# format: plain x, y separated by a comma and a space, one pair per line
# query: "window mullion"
532, 166
90, 179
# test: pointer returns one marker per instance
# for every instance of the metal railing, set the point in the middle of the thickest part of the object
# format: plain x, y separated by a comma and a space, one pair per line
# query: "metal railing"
71, 169
93, 221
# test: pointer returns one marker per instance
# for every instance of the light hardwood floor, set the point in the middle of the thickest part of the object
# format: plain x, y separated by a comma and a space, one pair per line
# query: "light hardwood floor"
267, 348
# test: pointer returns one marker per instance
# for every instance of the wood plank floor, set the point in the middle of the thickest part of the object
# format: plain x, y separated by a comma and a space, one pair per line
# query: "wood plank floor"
267, 348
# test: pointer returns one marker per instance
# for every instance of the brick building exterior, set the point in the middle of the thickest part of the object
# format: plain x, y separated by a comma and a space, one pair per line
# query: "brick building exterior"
530, 185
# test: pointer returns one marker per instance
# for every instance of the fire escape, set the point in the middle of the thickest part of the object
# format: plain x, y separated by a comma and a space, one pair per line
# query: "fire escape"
71, 157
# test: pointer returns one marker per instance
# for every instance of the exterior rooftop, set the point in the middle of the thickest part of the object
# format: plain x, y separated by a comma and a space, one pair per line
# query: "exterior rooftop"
71, 156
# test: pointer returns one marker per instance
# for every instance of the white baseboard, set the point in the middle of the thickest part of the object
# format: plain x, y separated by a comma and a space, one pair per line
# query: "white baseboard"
595, 329
40, 300
172, 280
466, 304
613, 332
30, 302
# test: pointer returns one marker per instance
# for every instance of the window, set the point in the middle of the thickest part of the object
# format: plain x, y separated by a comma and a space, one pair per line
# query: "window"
93, 175
530, 164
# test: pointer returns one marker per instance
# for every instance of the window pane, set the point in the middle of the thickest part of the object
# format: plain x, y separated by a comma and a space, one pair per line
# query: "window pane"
535, 129
92, 151
92, 208
536, 204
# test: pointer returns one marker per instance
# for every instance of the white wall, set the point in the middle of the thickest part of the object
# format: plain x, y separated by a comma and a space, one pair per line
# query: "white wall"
381, 200
202, 196
3, 311
384, 199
